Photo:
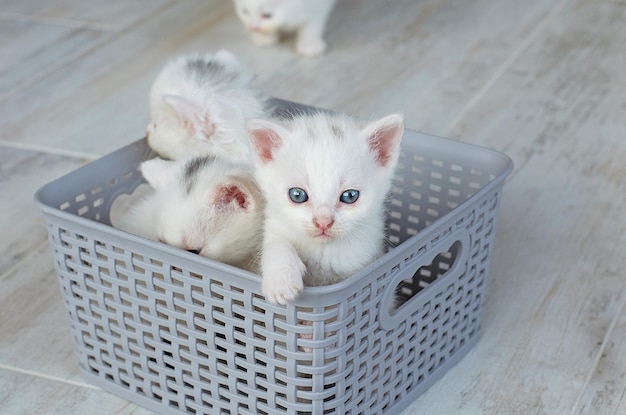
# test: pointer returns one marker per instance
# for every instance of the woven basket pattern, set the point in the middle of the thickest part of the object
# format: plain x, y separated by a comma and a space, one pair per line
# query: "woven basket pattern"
175, 333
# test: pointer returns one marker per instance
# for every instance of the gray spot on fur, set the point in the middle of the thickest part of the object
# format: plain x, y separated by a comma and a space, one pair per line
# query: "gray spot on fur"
337, 131
202, 70
192, 168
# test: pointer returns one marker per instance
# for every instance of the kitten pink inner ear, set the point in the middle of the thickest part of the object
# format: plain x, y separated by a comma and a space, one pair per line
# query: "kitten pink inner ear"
266, 138
235, 195
193, 116
384, 136
158, 172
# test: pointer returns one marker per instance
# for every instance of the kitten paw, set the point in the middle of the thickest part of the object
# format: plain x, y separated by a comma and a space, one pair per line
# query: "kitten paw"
264, 39
311, 47
282, 285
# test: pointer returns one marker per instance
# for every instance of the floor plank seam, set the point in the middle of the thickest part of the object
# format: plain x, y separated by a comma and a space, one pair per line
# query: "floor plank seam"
521, 48
47, 377
49, 150
65, 22
52, 69
596, 361
74, 57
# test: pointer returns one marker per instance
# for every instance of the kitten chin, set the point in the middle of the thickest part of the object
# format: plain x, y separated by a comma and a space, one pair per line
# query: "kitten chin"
199, 105
322, 175
205, 205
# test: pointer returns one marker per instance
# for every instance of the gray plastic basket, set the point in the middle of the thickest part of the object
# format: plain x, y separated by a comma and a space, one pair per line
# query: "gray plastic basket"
176, 332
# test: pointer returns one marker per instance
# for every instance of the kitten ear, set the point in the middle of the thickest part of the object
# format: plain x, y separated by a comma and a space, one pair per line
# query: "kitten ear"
237, 194
266, 137
384, 136
159, 172
193, 116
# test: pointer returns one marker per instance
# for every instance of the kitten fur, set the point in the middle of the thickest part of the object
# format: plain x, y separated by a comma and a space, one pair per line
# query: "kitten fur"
267, 19
199, 105
323, 240
205, 205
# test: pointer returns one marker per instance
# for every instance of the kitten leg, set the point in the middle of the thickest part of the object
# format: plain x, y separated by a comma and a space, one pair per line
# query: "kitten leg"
265, 38
282, 271
310, 41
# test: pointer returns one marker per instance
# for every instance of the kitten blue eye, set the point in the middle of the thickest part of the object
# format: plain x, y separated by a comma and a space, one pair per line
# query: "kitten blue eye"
298, 195
349, 196
266, 15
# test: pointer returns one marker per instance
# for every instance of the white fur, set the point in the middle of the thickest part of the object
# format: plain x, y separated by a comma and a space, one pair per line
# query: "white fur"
267, 19
204, 219
324, 155
202, 109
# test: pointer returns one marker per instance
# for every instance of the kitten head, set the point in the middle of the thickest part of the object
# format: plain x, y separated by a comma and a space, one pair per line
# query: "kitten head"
198, 104
208, 206
264, 16
326, 176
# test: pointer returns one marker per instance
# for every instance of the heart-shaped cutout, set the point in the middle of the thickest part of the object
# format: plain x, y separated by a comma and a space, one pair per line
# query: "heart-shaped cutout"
426, 275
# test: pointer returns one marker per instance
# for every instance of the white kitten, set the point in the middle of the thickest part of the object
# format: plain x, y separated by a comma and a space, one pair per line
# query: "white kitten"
325, 179
199, 105
204, 205
267, 19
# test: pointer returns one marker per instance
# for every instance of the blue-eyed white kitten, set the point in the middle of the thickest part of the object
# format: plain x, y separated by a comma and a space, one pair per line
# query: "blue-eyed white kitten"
325, 179
205, 205
199, 105
267, 19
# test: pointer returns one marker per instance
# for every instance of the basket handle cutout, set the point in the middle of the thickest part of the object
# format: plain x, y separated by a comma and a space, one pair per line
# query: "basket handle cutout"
407, 291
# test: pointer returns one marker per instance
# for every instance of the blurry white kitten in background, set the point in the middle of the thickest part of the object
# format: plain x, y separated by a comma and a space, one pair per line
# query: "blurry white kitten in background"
267, 19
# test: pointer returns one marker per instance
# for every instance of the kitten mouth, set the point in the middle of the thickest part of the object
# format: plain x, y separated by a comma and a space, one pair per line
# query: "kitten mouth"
322, 236
259, 29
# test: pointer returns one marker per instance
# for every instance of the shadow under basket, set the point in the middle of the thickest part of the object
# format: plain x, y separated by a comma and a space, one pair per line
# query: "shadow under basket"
179, 333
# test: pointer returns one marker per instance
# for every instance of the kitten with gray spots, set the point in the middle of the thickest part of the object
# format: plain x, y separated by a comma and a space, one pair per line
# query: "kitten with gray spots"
205, 205
199, 105
325, 179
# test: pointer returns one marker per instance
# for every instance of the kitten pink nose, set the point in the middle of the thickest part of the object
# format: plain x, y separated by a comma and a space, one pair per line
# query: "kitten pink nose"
323, 223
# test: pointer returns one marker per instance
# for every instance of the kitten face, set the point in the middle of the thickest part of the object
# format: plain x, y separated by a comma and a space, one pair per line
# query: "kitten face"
206, 206
264, 16
326, 176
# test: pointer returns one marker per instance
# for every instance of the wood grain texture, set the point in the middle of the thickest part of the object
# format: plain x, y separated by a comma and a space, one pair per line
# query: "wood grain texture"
544, 82
22, 172
557, 277
35, 334
102, 15
427, 69
30, 50
23, 393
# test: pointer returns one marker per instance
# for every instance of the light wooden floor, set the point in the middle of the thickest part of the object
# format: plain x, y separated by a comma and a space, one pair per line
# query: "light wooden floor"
543, 81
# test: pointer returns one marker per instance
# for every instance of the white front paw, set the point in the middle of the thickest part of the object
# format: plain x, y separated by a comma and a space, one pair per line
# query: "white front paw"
282, 283
310, 47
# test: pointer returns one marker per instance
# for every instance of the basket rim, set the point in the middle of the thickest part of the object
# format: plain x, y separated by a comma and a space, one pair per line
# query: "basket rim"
504, 166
